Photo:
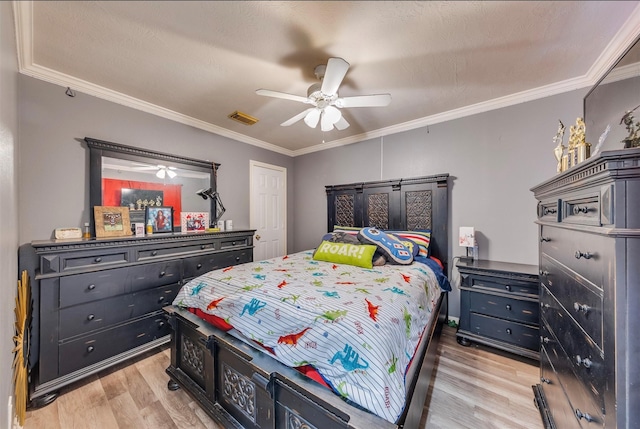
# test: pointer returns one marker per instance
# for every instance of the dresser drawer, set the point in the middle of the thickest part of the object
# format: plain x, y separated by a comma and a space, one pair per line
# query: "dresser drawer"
554, 394
581, 252
505, 307
526, 336
85, 351
549, 211
91, 259
581, 400
587, 360
147, 276
580, 298
198, 265
228, 243
84, 318
162, 251
241, 389
583, 210
77, 289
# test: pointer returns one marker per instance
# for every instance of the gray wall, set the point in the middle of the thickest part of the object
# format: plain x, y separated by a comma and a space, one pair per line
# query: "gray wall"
8, 202
494, 158
54, 170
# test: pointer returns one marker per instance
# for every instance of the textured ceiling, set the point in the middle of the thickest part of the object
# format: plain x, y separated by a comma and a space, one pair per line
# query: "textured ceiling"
197, 62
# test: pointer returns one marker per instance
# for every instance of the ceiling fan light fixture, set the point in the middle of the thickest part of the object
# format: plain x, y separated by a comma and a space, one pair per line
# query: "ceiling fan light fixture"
160, 173
171, 174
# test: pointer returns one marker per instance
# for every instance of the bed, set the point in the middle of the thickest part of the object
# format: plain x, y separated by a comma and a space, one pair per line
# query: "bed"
237, 348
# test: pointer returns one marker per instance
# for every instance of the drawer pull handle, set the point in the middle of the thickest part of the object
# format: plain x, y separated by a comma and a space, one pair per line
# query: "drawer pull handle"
586, 362
544, 305
584, 308
544, 239
91, 317
233, 243
90, 349
508, 287
545, 380
203, 246
581, 415
162, 273
586, 255
545, 340
578, 210
548, 210
98, 259
91, 287
544, 273
508, 331
160, 299
237, 258
154, 253
160, 325
508, 306
198, 266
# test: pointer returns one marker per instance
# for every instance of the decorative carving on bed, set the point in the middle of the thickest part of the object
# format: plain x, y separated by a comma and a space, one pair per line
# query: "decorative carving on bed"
418, 206
378, 209
193, 357
294, 421
344, 210
239, 391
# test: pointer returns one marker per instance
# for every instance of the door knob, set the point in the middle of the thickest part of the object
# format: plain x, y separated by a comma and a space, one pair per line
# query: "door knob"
257, 236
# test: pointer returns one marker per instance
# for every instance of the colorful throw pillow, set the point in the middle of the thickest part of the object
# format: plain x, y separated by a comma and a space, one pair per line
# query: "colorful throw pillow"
341, 237
421, 238
360, 255
352, 230
409, 244
390, 247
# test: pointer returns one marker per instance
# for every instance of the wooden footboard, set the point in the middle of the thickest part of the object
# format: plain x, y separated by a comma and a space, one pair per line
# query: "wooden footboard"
242, 387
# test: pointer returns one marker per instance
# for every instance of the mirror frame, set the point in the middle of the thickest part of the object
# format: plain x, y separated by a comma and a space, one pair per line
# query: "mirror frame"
100, 148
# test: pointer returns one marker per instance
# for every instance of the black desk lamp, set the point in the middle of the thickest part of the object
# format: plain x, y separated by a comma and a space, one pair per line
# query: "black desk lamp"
219, 209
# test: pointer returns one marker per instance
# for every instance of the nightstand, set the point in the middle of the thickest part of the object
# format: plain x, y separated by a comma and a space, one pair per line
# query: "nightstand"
499, 306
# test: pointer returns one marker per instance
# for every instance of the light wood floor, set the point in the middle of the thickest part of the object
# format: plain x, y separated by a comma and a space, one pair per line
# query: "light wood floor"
475, 387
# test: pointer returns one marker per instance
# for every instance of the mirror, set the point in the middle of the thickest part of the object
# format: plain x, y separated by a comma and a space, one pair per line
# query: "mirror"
608, 101
122, 175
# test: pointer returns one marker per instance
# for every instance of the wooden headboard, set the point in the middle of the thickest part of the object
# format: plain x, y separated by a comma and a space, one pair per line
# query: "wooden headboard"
402, 204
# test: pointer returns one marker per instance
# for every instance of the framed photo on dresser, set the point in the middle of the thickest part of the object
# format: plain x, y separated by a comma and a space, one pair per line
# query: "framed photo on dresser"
112, 221
160, 218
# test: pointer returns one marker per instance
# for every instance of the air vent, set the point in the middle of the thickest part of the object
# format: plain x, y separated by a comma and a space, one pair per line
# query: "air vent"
243, 118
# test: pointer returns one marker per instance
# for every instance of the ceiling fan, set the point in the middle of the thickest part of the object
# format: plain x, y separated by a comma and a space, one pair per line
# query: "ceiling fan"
323, 96
162, 170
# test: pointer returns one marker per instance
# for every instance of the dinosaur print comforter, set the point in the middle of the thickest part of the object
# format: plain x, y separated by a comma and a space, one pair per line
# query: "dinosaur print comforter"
359, 328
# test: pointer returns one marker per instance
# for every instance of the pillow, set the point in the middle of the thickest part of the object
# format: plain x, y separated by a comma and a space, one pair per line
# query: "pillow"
360, 255
351, 230
411, 245
390, 247
421, 238
341, 237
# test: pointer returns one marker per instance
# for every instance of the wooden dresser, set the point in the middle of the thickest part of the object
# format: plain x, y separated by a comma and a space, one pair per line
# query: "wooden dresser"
589, 232
98, 302
499, 306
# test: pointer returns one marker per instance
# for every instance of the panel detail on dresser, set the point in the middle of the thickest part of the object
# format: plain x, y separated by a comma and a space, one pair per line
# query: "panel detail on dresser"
99, 302
589, 294
499, 306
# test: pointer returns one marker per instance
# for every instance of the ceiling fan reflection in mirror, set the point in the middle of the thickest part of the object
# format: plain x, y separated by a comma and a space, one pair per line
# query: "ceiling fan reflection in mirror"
324, 98
162, 170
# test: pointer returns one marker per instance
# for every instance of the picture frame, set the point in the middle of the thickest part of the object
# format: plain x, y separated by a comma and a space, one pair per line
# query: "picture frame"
111, 221
194, 221
161, 218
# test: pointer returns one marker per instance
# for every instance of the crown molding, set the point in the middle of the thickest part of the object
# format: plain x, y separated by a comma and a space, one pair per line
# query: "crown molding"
23, 18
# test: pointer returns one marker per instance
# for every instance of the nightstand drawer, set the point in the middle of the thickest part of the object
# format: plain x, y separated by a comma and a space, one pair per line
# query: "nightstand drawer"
505, 307
526, 336
502, 284
549, 211
582, 210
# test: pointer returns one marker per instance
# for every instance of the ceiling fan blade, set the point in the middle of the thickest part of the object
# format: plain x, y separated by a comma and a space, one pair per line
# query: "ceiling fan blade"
335, 72
312, 117
377, 100
341, 124
326, 124
283, 95
296, 118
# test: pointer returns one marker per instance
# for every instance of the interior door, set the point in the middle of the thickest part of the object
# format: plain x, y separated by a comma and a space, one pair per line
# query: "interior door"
268, 207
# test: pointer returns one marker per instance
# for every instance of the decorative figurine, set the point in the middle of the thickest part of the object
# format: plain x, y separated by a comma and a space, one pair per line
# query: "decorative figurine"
633, 139
583, 149
559, 149
571, 148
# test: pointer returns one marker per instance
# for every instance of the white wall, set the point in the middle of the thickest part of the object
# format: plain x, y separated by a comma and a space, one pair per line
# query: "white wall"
8, 203
494, 158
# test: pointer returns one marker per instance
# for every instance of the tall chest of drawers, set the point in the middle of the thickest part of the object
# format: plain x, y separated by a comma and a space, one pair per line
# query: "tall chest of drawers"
589, 233
99, 302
